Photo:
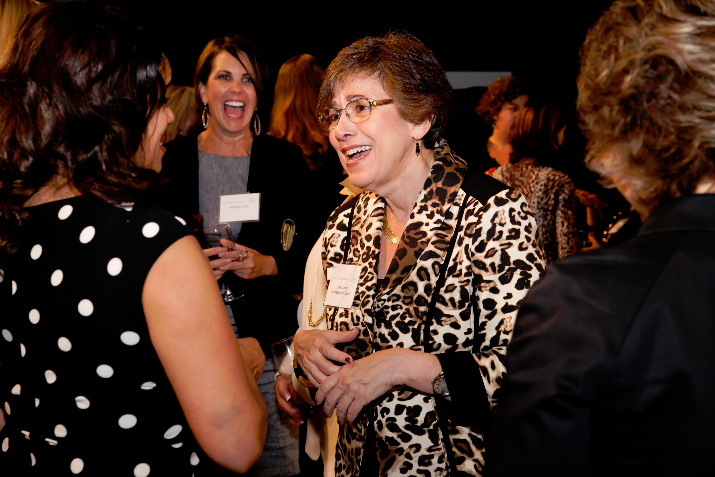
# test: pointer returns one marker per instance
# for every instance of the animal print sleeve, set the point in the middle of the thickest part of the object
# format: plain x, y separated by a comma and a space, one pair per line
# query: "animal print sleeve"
506, 261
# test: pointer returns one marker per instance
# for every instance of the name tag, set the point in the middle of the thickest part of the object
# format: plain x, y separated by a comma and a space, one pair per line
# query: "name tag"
240, 208
343, 285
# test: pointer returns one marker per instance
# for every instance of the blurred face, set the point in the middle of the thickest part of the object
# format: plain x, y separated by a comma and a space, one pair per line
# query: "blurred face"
379, 152
508, 112
153, 148
230, 95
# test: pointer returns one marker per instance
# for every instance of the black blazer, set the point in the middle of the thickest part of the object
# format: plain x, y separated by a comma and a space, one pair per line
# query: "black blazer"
611, 369
278, 171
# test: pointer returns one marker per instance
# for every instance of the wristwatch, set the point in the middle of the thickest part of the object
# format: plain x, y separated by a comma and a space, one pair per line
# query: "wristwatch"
439, 385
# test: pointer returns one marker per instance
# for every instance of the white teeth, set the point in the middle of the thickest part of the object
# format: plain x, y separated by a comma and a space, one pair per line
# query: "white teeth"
355, 150
235, 103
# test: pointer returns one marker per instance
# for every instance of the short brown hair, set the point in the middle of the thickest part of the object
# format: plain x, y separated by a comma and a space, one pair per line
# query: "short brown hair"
647, 97
499, 92
408, 71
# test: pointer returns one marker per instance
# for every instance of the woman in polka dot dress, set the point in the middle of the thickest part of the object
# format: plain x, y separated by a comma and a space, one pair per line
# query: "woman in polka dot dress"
116, 356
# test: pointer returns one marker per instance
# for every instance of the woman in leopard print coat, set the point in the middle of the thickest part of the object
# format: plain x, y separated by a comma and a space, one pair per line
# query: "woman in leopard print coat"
439, 261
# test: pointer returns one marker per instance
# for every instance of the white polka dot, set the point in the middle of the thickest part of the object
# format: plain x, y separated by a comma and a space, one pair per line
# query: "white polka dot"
173, 431
87, 234
16, 390
181, 221
85, 307
56, 278
128, 206
36, 252
114, 267
60, 431
34, 316
65, 212
22, 350
14, 287
177, 445
148, 386
37, 402
7, 335
127, 421
105, 371
194, 459
64, 344
2, 275
7, 408
76, 466
33, 461
51, 442
150, 230
5, 444
141, 470
81, 402
50, 376
129, 338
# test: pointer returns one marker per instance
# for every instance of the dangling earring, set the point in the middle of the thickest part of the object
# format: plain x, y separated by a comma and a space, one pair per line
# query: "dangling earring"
256, 124
417, 147
205, 116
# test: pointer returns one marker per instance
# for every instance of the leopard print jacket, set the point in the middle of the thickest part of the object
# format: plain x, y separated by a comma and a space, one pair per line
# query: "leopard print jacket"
496, 258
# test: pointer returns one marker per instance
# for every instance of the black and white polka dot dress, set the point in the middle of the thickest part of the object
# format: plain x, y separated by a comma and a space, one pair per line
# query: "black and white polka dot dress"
81, 385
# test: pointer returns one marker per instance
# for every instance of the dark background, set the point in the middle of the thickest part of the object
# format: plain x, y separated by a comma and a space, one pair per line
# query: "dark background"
536, 40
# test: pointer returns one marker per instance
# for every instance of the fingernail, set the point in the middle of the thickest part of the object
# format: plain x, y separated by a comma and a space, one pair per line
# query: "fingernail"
287, 397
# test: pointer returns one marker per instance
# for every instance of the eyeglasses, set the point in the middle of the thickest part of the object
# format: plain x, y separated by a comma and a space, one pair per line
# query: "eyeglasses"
357, 111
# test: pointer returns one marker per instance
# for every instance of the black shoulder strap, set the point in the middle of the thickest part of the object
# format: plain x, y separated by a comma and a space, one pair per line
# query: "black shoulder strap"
426, 331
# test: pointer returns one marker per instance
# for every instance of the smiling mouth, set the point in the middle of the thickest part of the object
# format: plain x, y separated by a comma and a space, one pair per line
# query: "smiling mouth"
234, 108
357, 152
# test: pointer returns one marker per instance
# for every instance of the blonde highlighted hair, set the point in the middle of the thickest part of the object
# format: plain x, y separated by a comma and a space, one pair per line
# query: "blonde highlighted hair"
647, 97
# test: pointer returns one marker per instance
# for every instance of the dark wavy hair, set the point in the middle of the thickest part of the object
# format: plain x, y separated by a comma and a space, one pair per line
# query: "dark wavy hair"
75, 99
235, 45
499, 92
647, 97
408, 71
534, 132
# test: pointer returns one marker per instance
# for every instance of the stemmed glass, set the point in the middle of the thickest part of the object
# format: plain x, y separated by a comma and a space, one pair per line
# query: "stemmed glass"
214, 235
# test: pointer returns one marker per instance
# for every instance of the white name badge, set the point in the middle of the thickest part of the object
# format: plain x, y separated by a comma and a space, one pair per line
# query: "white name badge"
239, 208
343, 285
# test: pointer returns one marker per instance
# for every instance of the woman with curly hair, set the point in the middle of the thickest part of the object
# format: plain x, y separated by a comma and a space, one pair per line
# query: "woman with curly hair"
498, 106
611, 364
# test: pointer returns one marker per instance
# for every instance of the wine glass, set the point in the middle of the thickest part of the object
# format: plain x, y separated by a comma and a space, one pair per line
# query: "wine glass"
214, 234
283, 357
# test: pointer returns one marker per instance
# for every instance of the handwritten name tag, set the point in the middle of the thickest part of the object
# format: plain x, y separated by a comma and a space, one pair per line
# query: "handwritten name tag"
240, 208
343, 285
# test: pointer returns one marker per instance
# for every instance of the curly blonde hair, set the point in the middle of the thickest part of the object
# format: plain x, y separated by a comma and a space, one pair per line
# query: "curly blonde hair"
647, 97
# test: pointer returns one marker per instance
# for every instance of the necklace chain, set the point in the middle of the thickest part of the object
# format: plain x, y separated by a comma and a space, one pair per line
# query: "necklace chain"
388, 231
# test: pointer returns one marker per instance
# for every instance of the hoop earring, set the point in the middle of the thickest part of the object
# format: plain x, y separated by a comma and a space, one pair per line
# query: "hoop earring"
417, 147
205, 116
256, 124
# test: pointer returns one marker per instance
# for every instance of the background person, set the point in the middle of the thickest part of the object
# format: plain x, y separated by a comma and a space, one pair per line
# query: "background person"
537, 133
115, 359
610, 367
383, 100
230, 157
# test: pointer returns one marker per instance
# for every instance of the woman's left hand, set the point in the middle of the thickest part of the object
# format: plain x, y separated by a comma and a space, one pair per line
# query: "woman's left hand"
248, 263
357, 384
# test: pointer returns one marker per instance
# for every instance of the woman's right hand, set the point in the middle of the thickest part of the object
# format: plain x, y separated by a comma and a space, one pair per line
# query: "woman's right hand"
217, 262
289, 401
317, 354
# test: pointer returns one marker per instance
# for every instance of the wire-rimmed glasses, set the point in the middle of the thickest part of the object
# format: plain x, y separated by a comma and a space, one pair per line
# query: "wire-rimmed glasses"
358, 110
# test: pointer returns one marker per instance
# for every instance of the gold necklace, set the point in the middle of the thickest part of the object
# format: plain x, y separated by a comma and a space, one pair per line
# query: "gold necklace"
310, 315
388, 232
